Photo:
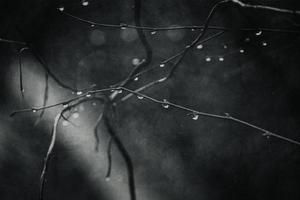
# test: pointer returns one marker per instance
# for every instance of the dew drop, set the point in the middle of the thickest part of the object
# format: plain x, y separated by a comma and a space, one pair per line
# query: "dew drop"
75, 115
153, 32
140, 97
221, 59
193, 29
199, 46
61, 8
247, 39
242, 51
225, 46
88, 95
79, 93
123, 26
120, 91
165, 105
208, 59
162, 65
34, 110
85, 3
195, 116
136, 79
92, 25
258, 33
264, 43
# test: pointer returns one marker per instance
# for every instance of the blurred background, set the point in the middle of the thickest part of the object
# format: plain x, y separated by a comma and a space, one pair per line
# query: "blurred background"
253, 75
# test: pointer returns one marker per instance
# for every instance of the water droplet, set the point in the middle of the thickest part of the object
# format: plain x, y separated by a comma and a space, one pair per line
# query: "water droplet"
61, 8
242, 51
165, 105
88, 95
79, 93
208, 59
225, 46
199, 46
85, 3
75, 115
153, 32
140, 97
136, 79
34, 110
65, 123
135, 61
258, 33
195, 116
193, 29
221, 59
264, 43
65, 105
123, 26
120, 91
92, 25
162, 65
247, 39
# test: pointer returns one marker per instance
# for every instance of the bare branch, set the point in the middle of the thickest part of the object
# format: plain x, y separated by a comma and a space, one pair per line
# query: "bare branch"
186, 27
270, 8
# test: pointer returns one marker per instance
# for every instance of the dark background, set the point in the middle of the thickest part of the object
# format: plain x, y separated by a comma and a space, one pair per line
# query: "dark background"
174, 156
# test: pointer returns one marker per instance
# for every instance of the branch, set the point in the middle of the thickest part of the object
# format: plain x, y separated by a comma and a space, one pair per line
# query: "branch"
186, 27
270, 8
12, 41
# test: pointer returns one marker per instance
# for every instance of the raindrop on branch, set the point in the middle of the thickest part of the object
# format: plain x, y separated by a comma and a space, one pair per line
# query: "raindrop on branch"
140, 97
242, 51
153, 32
88, 95
79, 92
208, 59
247, 39
123, 26
120, 91
165, 105
199, 46
65, 105
162, 65
264, 43
61, 8
221, 59
85, 3
258, 33
136, 79
34, 110
195, 116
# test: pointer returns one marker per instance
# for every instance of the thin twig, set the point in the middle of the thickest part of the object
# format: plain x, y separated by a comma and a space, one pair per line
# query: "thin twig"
191, 27
270, 8
12, 41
